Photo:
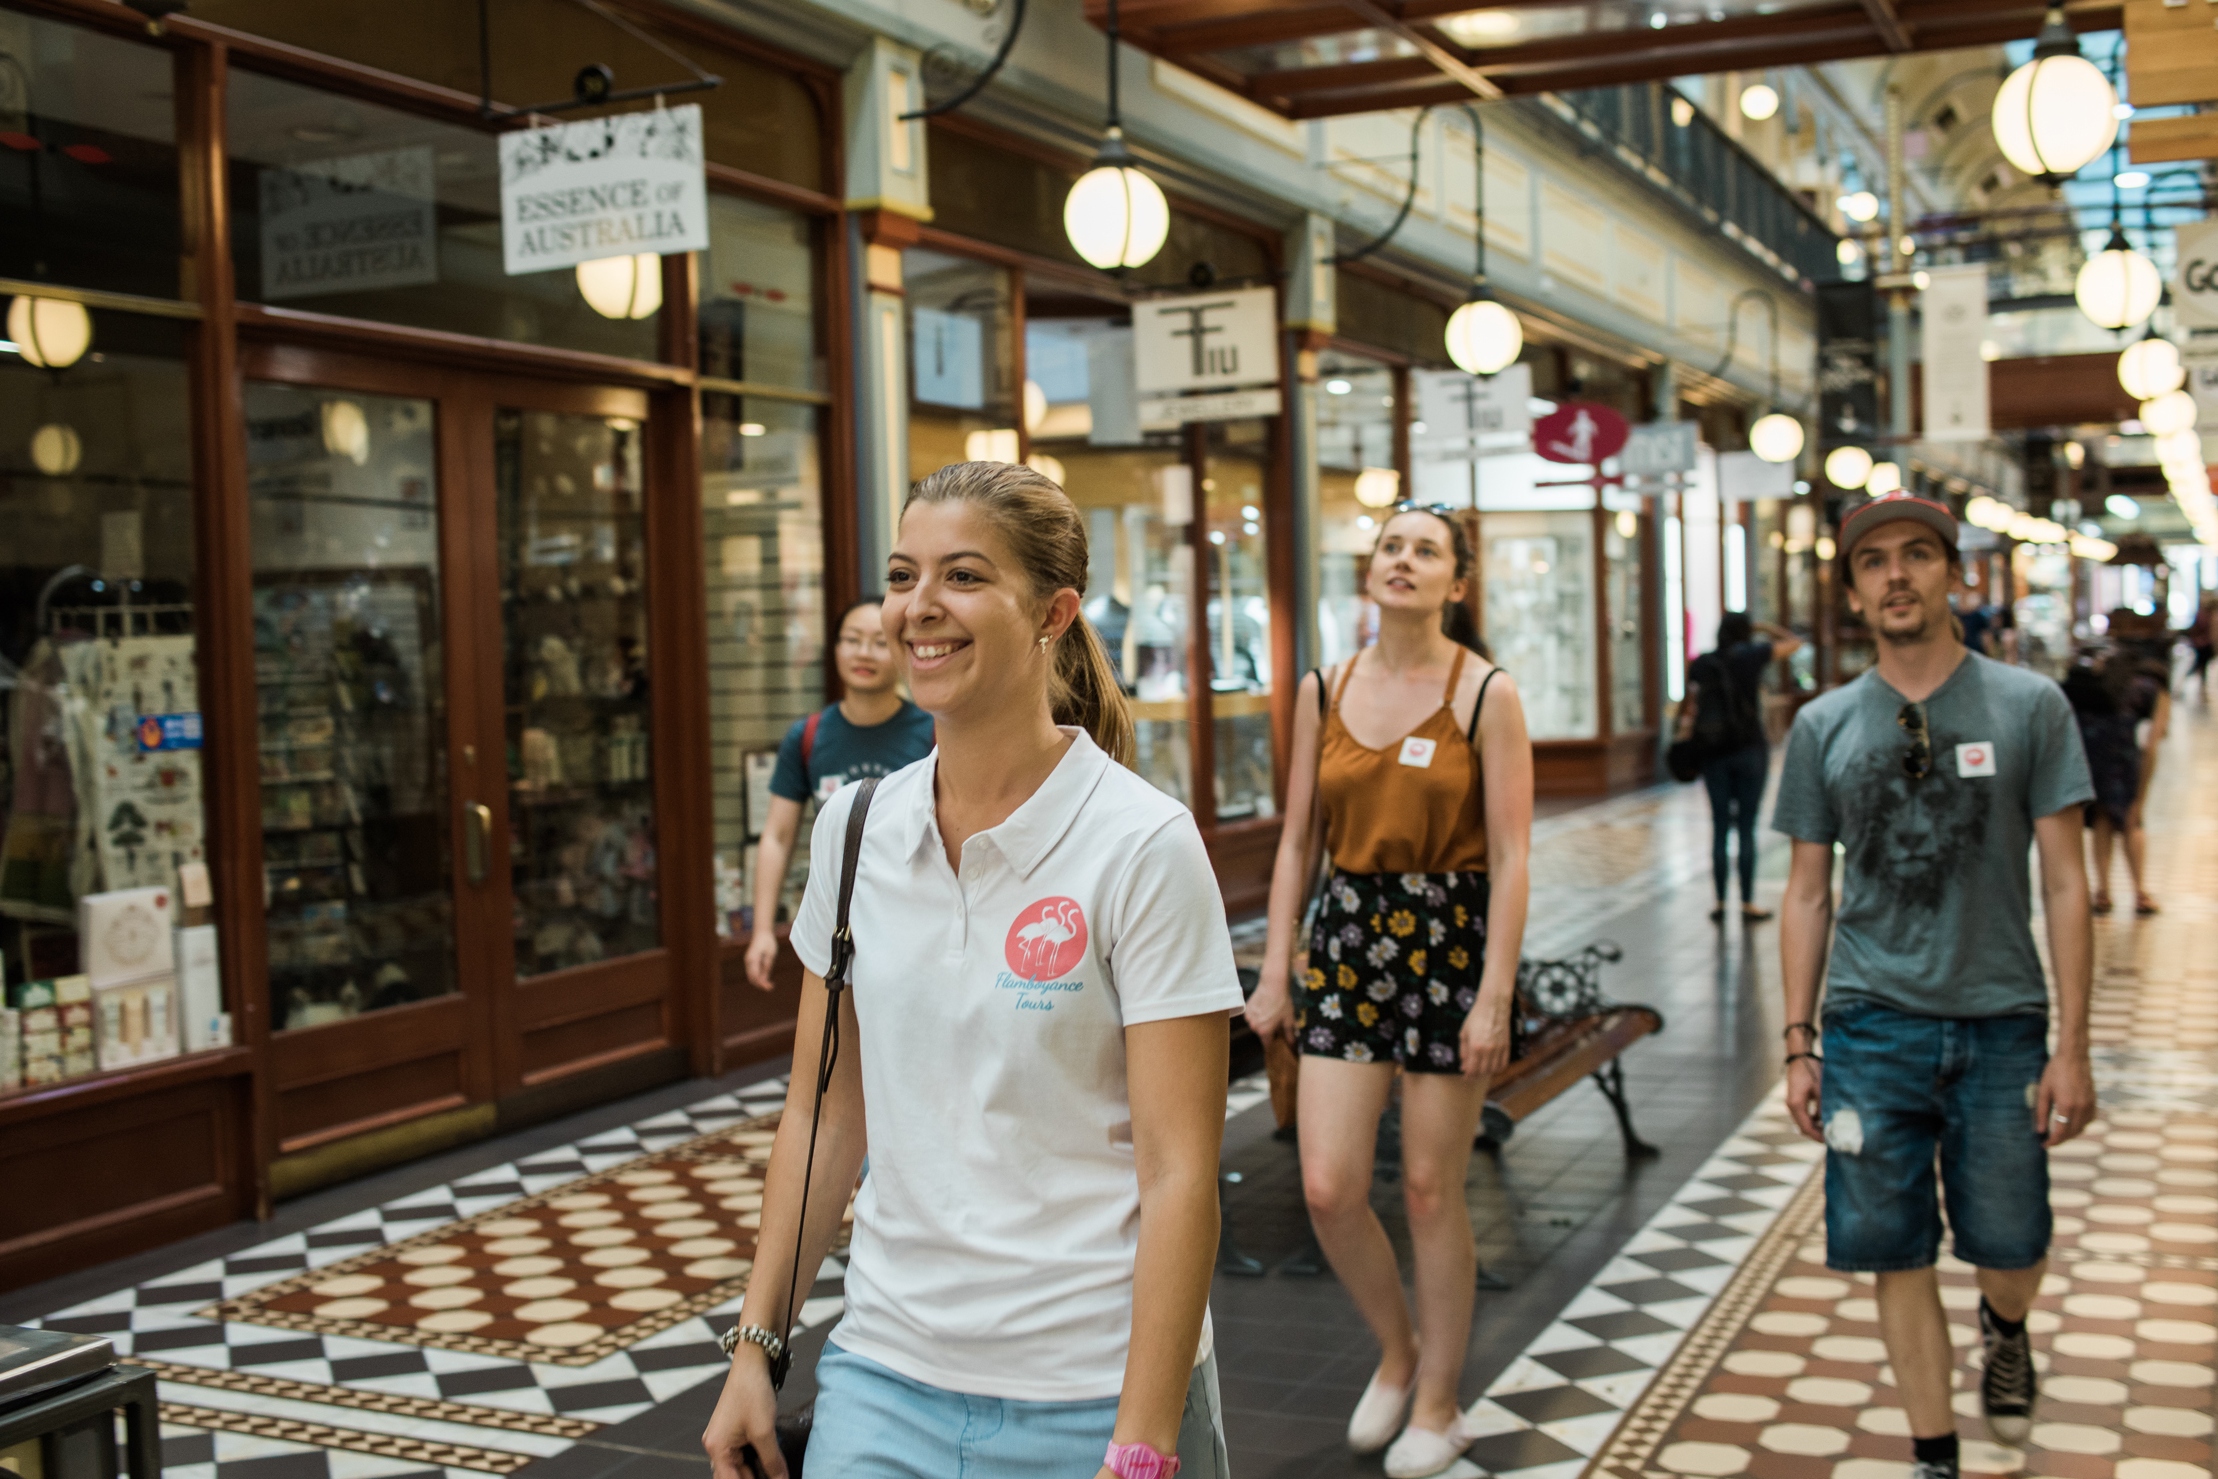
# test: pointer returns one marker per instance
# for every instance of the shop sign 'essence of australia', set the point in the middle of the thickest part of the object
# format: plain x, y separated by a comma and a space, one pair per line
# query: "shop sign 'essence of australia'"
604, 187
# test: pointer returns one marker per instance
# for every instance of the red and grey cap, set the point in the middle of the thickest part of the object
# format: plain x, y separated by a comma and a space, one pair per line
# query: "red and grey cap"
1888, 507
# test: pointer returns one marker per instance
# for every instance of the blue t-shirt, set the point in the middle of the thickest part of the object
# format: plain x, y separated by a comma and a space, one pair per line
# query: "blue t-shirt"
1936, 895
847, 752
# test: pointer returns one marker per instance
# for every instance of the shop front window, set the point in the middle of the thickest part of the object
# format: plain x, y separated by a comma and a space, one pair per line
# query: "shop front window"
88, 159
964, 399
347, 207
109, 958
350, 696
1235, 475
1540, 615
1357, 484
762, 515
1136, 492
1622, 537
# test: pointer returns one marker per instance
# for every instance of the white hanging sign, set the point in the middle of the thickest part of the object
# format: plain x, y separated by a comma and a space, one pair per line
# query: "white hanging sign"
947, 358
1462, 413
1658, 448
1955, 308
2195, 290
604, 187
1205, 341
349, 225
1162, 412
2202, 384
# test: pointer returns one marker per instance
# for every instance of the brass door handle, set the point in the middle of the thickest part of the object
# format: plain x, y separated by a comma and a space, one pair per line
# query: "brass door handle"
477, 839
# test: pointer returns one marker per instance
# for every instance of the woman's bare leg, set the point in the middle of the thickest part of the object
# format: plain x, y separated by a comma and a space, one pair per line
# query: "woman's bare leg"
1340, 1105
1440, 1114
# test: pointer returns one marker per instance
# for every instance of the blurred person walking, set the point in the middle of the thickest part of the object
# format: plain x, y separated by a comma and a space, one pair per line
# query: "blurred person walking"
2202, 640
871, 731
2112, 697
1412, 769
1724, 712
1936, 772
1039, 1021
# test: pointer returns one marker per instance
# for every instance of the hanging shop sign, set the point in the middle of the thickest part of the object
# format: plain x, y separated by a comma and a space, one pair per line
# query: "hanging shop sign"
1203, 342
1954, 307
605, 187
2202, 384
1459, 413
1743, 477
2195, 290
1848, 362
947, 359
1657, 449
1580, 432
350, 224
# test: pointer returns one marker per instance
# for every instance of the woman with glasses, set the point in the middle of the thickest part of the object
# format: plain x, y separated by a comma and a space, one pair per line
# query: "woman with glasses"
1412, 768
871, 731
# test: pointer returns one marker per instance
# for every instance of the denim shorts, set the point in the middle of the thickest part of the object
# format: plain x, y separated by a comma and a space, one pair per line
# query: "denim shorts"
874, 1423
1898, 1091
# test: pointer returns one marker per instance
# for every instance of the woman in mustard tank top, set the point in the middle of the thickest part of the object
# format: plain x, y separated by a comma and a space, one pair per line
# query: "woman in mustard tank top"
1416, 755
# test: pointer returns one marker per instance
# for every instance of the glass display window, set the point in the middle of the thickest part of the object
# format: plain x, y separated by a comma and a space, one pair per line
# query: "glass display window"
310, 171
1540, 615
762, 517
350, 696
964, 391
1623, 538
570, 491
758, 297
88, 159
108, 957
1357, 482
1136, 492
763, 119
1235, 475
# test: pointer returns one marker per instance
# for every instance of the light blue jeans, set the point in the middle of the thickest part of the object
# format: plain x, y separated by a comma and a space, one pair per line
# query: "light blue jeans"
872, 1423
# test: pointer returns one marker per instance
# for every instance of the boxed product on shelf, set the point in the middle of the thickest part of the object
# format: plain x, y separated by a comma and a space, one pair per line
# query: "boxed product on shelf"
11, 1050
200, 989
125, 935
135, 1022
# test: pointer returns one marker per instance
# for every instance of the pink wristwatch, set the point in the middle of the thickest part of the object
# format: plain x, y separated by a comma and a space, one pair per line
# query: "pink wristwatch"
1138, 1461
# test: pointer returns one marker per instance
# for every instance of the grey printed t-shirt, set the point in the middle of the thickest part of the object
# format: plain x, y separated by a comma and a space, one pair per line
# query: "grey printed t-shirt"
1936, 899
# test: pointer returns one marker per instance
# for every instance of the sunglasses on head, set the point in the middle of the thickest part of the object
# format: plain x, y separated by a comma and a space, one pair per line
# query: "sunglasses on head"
1917, 763
1437, 510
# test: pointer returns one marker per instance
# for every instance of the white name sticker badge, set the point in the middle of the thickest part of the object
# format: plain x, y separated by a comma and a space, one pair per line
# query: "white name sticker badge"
1418, 752
1976, 758
827, 785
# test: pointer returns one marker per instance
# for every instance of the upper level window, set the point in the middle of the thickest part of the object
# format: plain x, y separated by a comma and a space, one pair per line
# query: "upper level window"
88, 160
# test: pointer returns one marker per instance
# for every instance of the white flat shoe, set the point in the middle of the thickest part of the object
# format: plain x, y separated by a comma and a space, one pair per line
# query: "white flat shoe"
1421, 1451
1378, 1416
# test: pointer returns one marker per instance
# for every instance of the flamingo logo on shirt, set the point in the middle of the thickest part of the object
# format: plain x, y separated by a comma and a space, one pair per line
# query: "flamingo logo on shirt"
1047, 939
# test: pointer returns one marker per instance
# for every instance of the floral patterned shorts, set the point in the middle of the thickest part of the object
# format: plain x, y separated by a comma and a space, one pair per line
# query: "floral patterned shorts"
1393, 968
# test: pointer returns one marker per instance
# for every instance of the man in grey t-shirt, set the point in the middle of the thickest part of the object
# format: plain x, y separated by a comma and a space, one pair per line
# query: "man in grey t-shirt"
1935, 773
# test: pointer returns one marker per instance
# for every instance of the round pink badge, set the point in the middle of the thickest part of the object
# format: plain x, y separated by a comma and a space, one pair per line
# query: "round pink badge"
1047, 940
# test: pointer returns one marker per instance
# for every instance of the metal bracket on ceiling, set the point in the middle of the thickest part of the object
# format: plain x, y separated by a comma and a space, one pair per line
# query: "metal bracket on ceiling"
595, 85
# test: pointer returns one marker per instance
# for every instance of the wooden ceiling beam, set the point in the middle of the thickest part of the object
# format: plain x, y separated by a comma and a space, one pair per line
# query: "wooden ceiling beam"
1347, 77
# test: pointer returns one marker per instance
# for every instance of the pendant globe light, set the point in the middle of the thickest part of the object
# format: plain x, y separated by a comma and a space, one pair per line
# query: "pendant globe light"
2150, 368
1483, 337
1847, 467
2173, 411
52, 333
1115, 216
2055, 114
2118, 287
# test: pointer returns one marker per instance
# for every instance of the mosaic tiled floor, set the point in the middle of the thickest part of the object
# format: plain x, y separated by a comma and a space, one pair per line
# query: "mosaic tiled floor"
346, 1352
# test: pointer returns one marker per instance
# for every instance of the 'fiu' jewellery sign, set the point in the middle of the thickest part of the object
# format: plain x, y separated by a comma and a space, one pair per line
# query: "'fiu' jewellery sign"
605, 187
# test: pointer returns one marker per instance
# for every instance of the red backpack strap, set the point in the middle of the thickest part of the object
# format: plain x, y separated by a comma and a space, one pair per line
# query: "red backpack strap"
808, 737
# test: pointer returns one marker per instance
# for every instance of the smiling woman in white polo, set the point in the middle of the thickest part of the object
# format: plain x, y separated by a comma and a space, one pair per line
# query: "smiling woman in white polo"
1042, 984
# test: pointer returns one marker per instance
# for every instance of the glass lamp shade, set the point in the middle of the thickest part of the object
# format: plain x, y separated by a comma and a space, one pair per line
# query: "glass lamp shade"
2053, 115
1484, 337
1115, 216
1776, 437
1885, 477
346, 431
2150, 368
1847, 467
1759, 102
56, 449
622, 287
51, 333
2118, 287
1378, 487
2172, 411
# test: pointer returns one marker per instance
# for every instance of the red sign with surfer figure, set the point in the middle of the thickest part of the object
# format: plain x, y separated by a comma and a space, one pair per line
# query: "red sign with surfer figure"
1047, 940
1581, 432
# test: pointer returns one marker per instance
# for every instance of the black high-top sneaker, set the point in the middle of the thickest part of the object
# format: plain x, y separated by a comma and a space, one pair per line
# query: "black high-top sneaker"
2008, 1386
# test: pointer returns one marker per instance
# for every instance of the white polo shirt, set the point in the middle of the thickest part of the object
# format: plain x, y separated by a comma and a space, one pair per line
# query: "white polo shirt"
996, 1232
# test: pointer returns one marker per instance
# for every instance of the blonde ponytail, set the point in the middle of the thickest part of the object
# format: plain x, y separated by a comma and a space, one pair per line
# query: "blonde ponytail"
1047, 537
